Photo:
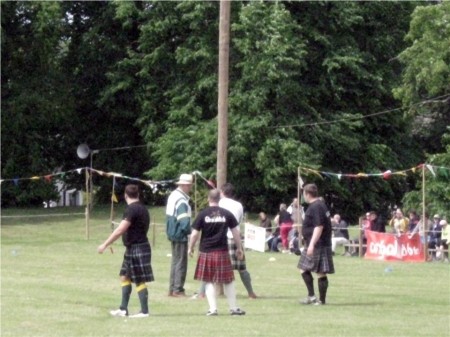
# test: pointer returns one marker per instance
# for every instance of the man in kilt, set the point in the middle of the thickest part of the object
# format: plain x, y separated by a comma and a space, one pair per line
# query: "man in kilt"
214, 265
136, 266
236, 208
317, 256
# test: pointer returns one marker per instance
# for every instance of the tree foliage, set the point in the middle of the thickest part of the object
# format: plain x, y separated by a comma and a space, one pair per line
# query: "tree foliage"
308, 81
426, 75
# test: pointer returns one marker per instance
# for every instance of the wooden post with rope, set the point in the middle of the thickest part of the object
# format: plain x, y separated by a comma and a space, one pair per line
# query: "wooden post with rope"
361, 231
88, 203
111, 214
299, 207
154, 234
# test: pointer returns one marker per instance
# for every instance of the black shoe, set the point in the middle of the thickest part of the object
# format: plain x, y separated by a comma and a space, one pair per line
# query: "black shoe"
237, 312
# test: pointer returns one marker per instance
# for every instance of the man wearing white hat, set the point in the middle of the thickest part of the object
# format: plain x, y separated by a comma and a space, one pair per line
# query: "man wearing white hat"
178, 215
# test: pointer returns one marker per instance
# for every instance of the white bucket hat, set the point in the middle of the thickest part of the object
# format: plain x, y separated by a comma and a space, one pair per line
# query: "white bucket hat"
185, 179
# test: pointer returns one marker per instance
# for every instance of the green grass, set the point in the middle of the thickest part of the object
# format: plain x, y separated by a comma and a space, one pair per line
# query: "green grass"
53, 283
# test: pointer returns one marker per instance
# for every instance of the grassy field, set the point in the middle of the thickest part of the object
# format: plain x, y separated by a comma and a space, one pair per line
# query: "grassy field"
53, 283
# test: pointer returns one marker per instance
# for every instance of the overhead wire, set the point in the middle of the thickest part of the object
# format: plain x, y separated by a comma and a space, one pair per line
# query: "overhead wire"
430, 100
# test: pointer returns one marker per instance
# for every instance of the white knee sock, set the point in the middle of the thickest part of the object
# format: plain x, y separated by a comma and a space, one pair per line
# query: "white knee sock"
210, 293
230, 293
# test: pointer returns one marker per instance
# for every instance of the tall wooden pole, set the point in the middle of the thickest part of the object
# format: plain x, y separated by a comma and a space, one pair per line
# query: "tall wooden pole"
111, 214
222, 116
88, 202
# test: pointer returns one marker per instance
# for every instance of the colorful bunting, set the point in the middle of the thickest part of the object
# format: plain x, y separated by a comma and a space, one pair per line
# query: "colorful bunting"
154, 185
430, 168
386, 174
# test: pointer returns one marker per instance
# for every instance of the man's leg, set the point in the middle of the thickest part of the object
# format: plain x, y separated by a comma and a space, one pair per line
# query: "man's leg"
143, 297
230, 293
333, 244
126, 292
210, 293
172, 270
180, 266
309, 282
247, 281
322, 282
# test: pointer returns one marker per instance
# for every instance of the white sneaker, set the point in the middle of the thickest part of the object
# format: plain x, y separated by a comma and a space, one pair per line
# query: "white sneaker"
140, 315
118, 313
309, 300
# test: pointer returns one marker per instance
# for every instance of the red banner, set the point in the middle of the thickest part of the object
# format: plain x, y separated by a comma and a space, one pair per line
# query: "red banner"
385, 246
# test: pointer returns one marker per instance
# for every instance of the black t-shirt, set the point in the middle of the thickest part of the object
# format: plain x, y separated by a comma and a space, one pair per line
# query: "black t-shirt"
139, 217
317, 214
214, 222
284, 217
378, 225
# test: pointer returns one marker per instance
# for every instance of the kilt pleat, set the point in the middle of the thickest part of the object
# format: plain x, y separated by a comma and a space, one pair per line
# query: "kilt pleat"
137, 263
235, 262
320, 262
214, 267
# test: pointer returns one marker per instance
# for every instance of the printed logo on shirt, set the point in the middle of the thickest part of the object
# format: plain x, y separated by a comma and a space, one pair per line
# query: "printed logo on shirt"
217, 218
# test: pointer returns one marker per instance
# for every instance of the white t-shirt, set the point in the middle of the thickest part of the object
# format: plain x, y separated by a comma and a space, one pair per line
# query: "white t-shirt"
234, 207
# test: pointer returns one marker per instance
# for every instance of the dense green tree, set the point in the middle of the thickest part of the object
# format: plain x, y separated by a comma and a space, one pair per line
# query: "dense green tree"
332, 63
55, 63
97, 40
292, 64
426, 75
308, 81
35, 99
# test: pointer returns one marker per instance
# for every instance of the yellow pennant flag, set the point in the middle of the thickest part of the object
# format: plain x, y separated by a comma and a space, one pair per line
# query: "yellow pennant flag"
114, 198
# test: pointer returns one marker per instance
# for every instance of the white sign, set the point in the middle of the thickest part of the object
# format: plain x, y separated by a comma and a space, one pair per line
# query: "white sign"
255, 237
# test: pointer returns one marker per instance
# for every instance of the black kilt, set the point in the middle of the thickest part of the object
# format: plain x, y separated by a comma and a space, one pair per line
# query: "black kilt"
320, 262
235, 262
136, 263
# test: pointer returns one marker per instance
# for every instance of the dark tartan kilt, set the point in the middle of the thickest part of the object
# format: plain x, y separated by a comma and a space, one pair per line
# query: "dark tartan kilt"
235, 262
214, 267
320, 262
137, 263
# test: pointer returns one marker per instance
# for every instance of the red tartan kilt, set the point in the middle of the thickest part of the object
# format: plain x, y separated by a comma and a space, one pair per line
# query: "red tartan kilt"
214, 267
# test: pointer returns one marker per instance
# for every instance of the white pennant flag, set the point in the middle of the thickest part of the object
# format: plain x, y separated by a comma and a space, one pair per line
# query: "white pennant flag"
429, 167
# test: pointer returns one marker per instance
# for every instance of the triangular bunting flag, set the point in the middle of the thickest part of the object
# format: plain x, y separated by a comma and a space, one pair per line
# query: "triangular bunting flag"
443, 172
430, 168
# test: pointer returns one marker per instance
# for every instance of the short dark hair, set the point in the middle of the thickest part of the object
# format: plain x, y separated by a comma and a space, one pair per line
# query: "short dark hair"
312, 190
132, 191
227, 190
214, 195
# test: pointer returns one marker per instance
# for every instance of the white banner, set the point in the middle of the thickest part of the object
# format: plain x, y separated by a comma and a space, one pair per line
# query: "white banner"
255, 237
